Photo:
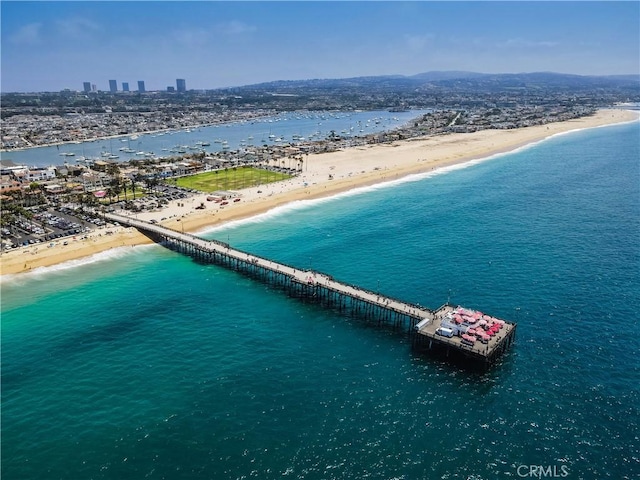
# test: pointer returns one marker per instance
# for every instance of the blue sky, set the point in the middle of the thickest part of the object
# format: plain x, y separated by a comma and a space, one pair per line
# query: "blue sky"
49, 46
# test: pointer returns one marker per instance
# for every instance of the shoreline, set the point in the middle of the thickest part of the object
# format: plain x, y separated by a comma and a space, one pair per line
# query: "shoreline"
122, 135
241, 119
325, 175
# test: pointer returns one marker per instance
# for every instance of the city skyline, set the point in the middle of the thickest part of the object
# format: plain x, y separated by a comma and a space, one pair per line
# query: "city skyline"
223, 44
88, 86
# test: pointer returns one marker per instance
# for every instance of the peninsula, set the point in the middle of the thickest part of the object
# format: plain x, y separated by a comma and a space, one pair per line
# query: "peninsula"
324, 175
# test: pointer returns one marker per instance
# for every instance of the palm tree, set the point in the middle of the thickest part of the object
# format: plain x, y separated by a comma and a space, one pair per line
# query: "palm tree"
116, 187
90, 199
136, 178
114, 170
109, 192
116, 180
152, 182
18, 197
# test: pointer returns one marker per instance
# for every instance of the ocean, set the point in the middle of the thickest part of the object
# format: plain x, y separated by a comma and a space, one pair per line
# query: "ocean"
142, 363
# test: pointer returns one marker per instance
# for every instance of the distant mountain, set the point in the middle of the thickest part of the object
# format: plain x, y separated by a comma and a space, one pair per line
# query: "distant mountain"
439, 76
322, 83
628, 78
456, 80
544, 79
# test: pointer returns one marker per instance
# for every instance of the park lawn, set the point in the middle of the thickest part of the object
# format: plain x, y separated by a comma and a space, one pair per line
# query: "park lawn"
230, 179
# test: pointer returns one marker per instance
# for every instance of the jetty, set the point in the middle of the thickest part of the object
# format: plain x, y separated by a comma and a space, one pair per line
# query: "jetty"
455, 331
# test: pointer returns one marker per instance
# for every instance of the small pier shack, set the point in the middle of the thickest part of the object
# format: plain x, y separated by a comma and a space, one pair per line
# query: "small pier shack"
473, 335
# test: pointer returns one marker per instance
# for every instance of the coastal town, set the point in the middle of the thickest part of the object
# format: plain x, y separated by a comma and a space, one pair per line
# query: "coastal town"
499, 101
28, 130
101, 181
38, 202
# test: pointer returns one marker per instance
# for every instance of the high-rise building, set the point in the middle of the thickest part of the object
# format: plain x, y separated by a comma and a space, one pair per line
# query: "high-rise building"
181, 85
86, 87
125, 86
171, 89
113, 86
141, 86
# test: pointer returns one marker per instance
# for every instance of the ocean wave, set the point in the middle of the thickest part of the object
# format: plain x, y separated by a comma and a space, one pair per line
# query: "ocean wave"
117, 253
298, 205
575, 130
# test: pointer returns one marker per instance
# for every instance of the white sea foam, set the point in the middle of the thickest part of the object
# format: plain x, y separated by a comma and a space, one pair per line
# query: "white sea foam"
298, 205
305, 204
41, 272
635, 120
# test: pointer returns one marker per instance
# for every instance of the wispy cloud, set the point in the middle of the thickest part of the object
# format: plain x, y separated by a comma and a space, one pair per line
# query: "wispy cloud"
192, 37
235, 28
417, 43
28, 34
523, 43
77, 27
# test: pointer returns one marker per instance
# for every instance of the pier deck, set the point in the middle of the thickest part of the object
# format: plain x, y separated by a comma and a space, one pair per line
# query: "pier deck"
485, 351
323, 289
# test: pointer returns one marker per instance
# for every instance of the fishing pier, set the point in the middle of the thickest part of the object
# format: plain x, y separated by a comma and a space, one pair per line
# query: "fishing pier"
424, 325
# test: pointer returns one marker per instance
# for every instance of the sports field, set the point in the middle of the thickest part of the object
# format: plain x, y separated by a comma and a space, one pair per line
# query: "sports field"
230, 179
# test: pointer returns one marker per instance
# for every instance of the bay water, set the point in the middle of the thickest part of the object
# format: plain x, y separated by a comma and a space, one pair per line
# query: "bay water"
278, 129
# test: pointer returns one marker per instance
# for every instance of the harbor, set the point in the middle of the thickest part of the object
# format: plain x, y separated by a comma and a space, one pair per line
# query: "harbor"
244, 134
479, 338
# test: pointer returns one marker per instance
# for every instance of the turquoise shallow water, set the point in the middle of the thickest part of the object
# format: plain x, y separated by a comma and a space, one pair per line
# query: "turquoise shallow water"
148, 365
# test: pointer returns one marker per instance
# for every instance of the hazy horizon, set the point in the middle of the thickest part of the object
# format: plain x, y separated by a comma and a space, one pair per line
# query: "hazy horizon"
223, 44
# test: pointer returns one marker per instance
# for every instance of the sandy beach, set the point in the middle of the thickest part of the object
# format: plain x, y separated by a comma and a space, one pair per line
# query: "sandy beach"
323, 175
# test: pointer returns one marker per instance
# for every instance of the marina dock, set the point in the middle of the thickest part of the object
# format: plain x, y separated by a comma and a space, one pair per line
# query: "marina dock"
453, 330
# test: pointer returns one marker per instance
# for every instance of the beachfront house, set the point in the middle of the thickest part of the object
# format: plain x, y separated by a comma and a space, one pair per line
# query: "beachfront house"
53, 189
9, 184
40, 174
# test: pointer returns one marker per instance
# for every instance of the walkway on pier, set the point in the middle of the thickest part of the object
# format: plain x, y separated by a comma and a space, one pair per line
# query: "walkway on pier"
306, 278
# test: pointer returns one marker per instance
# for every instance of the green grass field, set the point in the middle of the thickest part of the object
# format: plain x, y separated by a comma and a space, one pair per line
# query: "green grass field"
229, 179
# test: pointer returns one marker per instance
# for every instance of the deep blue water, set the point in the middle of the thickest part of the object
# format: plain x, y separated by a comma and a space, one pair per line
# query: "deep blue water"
148, 365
